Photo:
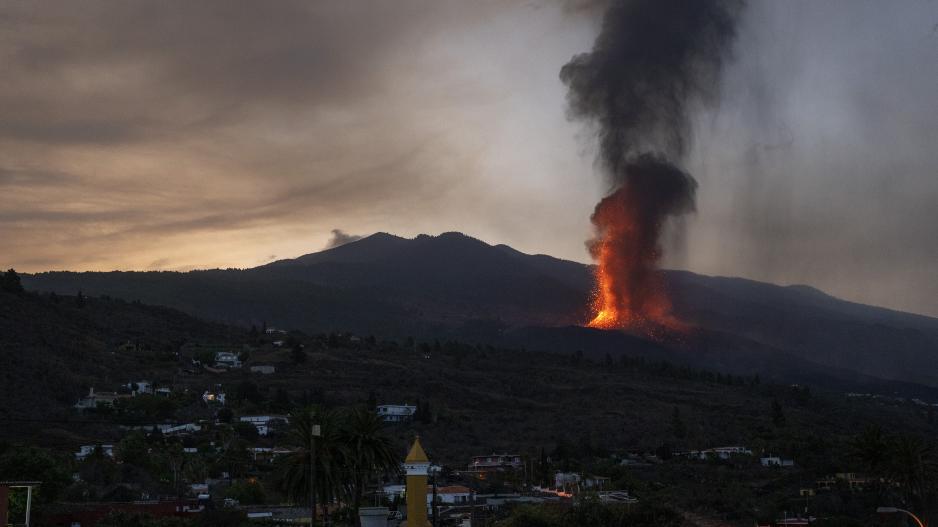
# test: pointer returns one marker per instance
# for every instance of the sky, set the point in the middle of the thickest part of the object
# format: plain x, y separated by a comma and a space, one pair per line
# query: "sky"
179, 135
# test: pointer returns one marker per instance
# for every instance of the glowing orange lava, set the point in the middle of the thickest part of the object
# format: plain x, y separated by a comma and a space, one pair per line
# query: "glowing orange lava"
629, 292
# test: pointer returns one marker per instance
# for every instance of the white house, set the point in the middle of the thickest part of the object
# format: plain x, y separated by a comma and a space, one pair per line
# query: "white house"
392, 491
96, 399
227, 359
171, 429
263, 369
140, 387
86, 450
449, 495
163, 392
723, 452
396, 413
265, 423
568, 481
775, 461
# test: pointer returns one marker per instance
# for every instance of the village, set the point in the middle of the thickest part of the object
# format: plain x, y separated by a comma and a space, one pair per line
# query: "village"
200, 444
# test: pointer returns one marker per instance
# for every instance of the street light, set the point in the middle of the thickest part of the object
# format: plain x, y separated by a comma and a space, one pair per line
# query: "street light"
893, 510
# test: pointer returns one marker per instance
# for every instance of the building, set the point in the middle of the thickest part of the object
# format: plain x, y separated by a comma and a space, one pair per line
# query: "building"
265, 424
852, 480
566, 480
264, 369
573, 481
227, 359
180, 429
394, 491
495, 463
86, 450
140, 387
775, 461
416, 466
450, 495
723, 452
163, 392
213, 397
396, 413
620, 497
97, 399
267, 453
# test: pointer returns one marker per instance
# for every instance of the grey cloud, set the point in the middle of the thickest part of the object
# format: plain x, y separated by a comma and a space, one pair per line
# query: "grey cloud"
340, 238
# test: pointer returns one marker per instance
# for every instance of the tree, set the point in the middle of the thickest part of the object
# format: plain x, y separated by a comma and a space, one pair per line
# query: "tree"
246, 431
298, 355
10, 283
913, 464
326, 451
247, 391
778, 416
871, 448
678, 428
281, 401
36, 464
224, 415
369, 452
247, 492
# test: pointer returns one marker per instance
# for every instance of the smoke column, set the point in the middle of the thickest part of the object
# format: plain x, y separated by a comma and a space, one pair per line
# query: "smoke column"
650, 62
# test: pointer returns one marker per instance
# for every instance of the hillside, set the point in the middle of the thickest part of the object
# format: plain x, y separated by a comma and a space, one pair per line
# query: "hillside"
490, 398
560, 411
456, 286
53, 348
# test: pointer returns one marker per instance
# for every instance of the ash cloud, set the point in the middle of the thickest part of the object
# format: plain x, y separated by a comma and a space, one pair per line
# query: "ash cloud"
651, 61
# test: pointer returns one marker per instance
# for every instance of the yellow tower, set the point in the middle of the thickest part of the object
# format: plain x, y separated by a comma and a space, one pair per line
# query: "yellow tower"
417, 466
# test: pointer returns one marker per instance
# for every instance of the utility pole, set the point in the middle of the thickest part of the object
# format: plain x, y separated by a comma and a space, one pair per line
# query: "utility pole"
434, 508
313, 434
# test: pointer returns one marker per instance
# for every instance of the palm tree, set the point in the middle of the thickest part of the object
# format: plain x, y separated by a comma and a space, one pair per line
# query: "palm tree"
871, 448
913, 465
369, 452
328, 454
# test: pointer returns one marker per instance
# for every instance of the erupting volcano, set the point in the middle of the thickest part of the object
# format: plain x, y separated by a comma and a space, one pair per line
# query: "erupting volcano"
650, 62
628, 222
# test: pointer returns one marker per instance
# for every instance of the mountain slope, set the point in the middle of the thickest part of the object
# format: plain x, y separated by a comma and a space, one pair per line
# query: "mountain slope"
52, 349
455, 285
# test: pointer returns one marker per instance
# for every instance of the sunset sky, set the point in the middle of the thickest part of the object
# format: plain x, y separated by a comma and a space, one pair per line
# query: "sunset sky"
177, 135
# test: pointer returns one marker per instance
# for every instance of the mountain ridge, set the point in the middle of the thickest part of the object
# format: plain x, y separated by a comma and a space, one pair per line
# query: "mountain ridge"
460, 286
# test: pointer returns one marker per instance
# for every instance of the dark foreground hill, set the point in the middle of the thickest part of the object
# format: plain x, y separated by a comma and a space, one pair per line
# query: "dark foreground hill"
456, 286
477, 398
52, 348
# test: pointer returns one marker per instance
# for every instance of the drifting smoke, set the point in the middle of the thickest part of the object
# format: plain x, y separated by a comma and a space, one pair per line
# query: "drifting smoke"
650, 62
340, 237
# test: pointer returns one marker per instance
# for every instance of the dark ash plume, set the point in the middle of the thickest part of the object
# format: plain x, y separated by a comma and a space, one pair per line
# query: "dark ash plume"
650, 62
651, 59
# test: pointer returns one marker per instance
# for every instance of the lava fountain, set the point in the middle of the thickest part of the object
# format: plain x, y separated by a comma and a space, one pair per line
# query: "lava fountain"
630, 293
651, 62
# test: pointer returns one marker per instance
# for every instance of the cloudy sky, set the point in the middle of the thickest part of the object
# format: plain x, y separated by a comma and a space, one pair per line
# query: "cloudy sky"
180, 135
